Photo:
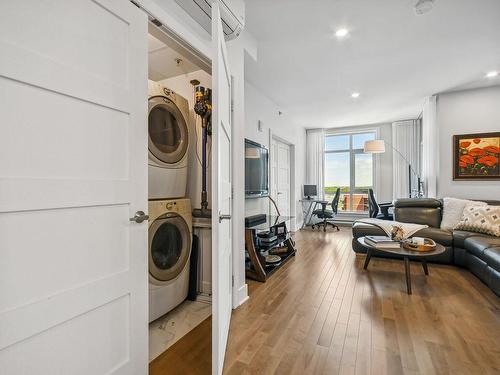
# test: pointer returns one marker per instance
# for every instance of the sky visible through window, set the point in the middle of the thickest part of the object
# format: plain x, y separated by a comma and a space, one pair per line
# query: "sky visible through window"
337, 164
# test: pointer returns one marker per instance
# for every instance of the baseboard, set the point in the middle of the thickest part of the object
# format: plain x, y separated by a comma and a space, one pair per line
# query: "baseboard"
240, 296
298, 225
206, 287
205, 298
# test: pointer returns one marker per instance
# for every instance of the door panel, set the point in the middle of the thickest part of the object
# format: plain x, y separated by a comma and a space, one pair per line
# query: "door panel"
73, 170
41, 354
280, 176
221, 195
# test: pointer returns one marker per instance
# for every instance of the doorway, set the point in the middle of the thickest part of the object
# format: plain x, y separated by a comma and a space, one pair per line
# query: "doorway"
281, 175
209, 124
176, 261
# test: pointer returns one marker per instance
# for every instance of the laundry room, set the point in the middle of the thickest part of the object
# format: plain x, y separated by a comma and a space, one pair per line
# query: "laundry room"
179, 192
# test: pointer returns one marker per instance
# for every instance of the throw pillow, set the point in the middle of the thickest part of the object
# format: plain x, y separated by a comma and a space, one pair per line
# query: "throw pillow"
482, 219
452, 211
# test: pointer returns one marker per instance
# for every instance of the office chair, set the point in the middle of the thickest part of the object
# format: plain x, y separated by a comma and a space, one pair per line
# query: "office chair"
373, 208
327, 215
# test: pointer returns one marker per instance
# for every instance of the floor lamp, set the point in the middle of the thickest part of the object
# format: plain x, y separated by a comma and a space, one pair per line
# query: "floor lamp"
377, 146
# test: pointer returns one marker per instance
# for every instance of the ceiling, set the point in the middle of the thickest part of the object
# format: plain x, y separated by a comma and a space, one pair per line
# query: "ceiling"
164, 62
391, 56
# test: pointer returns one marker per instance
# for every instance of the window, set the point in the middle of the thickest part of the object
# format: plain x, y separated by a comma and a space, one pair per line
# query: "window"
348, 168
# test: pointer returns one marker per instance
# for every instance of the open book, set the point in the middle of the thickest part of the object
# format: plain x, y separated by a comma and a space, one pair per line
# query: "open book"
408, 229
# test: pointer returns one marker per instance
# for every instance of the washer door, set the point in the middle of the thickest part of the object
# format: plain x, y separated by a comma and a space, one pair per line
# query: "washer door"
168, 131
169, 247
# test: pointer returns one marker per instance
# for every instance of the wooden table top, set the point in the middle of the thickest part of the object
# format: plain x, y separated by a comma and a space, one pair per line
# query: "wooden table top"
405, 252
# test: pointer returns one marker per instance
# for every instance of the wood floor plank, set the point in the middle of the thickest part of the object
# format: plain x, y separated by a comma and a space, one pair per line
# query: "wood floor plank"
322, 313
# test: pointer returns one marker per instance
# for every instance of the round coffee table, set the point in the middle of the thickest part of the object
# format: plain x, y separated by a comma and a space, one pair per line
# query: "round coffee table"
405, 254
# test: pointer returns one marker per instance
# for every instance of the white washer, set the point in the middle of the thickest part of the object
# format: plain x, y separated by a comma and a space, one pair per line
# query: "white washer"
168, 142
170, 237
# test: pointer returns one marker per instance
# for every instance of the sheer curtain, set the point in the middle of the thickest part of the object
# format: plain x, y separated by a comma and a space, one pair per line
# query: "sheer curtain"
406, 138
430, 147
315, 158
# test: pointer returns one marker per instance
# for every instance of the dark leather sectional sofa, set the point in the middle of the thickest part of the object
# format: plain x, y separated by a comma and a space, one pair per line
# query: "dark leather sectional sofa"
480, 253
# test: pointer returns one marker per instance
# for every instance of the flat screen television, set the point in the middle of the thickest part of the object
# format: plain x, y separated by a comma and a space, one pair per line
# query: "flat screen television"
256, 170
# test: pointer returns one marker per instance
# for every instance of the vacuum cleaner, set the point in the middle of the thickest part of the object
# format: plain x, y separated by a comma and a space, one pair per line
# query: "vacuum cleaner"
203, 108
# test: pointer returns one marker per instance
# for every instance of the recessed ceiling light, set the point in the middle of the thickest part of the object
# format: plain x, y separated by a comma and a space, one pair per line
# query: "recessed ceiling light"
355, 95
340, 33
491, 74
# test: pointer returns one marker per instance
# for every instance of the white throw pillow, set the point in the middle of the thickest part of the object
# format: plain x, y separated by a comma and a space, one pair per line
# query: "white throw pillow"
453, 209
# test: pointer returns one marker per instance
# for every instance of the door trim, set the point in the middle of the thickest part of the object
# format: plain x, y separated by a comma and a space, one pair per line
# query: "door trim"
293, 182
175, 34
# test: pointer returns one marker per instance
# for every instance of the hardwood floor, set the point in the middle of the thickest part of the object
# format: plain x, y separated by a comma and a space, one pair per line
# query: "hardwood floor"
191, 355
322, 314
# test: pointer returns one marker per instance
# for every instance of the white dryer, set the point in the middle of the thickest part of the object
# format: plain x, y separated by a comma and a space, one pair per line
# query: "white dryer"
168, 142
170, 238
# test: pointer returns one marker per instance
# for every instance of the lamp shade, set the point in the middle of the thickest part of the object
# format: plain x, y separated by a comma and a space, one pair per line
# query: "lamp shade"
377, 146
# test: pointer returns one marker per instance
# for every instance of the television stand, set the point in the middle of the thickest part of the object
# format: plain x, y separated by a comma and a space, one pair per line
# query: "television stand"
256, 249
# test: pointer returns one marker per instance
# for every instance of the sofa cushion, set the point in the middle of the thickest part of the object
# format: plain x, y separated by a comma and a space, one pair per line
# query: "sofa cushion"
362, 229
492, 257
425, 211
418, 202
477, 244
419, 215
453, 209
459, 237
492, 202
482, 219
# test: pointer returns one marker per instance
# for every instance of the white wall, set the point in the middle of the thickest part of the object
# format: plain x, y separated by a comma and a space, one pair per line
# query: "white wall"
465, 112
259, 107
182, 86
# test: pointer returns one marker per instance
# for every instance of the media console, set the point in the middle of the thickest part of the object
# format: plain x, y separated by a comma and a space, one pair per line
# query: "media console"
266, 238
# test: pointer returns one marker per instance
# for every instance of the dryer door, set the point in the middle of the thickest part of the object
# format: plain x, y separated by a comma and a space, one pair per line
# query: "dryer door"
168, 131
169, 247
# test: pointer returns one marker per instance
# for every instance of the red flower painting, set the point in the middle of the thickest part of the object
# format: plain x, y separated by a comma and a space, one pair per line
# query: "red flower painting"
477, 156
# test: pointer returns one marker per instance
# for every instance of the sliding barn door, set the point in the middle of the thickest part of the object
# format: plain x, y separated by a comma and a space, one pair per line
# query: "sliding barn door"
221, 232
73, 170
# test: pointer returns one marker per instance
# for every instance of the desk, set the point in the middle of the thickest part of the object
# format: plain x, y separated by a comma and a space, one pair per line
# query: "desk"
308, 207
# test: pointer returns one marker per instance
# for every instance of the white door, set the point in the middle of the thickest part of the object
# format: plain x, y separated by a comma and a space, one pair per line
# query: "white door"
280, 176
73, 170
221, 195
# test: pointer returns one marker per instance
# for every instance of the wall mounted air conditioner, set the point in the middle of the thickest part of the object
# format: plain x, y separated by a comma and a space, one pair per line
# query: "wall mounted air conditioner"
232, 13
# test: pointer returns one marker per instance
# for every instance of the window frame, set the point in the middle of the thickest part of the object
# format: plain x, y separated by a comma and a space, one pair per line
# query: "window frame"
352, 171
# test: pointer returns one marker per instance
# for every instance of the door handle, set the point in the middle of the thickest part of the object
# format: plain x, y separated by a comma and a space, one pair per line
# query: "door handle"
224, 217
279, 193
139, 217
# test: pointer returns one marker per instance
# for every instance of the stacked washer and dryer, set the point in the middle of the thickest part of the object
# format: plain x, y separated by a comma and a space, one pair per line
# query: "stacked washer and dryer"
170, 221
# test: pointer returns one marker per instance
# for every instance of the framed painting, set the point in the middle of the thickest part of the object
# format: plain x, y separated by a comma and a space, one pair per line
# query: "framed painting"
476, 156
